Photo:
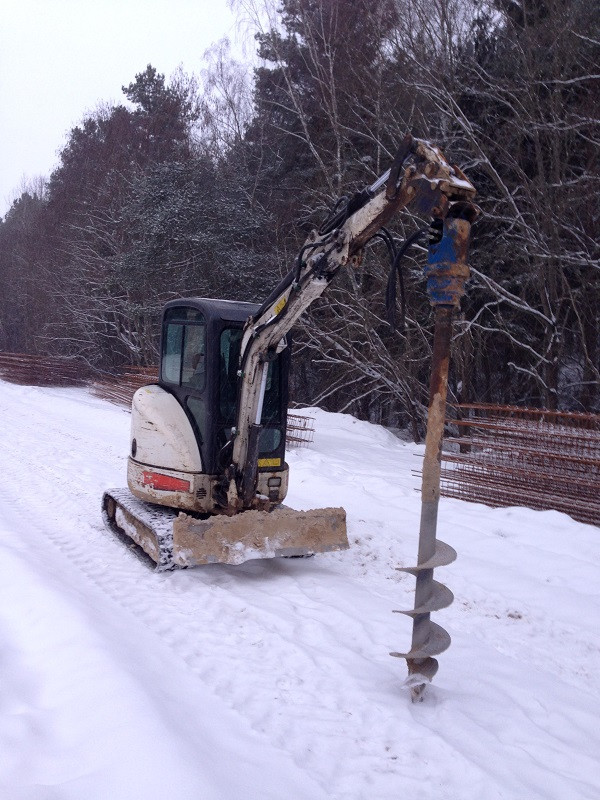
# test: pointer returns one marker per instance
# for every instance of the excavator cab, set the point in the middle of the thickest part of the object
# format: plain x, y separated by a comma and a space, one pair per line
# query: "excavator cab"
181, 429
200, 361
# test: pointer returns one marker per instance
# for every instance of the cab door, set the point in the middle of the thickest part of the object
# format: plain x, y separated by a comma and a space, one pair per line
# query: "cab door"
184, 368
274, 412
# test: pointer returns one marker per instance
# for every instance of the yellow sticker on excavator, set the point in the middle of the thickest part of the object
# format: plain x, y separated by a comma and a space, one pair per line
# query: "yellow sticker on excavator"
280, 304
269, 462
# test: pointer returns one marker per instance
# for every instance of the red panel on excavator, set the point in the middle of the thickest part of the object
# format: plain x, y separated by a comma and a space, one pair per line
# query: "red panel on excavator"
165, 482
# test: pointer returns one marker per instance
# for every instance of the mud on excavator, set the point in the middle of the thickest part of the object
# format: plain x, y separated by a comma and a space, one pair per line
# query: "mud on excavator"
206, 471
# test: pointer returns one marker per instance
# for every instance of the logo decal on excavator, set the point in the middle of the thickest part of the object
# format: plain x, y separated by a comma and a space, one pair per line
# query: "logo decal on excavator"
166, 483
280, 305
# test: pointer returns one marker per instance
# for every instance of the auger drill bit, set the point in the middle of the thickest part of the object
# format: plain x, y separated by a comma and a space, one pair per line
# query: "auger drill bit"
446, 273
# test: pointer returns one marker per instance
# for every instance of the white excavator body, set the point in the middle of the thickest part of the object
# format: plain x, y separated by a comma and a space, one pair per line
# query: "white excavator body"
206, 473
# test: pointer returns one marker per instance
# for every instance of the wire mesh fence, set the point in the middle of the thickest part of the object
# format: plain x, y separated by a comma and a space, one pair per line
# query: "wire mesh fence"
506, 455
35, 370
300, 430
120, 388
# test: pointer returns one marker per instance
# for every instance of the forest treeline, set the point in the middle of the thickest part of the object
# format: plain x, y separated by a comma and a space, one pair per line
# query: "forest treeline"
208, 185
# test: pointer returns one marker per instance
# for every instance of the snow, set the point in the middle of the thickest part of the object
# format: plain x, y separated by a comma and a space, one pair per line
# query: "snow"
272, 679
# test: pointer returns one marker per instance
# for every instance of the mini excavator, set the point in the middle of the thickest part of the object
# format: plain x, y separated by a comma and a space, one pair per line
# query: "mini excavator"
206, 472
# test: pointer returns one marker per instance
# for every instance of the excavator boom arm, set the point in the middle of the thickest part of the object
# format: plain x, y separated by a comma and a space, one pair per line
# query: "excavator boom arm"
420, 178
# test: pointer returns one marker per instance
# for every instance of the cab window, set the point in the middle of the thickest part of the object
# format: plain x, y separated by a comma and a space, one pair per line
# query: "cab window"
184, 348
231, 342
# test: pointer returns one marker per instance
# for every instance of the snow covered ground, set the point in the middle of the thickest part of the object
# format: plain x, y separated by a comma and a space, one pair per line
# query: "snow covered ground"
272, 680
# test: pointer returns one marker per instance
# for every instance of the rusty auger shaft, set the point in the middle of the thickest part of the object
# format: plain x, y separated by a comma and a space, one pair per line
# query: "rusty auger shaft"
446, 272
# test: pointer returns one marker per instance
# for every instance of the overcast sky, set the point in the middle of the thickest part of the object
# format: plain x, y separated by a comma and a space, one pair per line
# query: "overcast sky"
60, 58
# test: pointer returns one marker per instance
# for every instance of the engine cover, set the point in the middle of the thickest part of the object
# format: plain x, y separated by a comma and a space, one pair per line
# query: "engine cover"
161, 434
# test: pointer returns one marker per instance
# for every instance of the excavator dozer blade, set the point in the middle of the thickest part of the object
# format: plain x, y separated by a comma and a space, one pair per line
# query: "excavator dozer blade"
258, 534
173, 539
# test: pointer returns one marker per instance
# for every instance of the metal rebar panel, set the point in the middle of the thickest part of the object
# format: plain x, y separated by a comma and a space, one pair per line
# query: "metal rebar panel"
507, 455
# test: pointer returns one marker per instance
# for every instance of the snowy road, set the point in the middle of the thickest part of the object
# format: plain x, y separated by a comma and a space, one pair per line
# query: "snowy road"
273, 680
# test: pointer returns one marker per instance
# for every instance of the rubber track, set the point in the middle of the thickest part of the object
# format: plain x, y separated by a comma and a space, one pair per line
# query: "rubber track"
155, 518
